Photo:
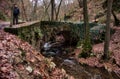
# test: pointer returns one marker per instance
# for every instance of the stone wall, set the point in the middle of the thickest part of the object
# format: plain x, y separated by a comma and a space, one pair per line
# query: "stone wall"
30, 33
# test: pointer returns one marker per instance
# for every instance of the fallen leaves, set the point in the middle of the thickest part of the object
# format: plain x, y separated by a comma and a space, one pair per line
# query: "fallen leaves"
114, 52
19, 60
91, 61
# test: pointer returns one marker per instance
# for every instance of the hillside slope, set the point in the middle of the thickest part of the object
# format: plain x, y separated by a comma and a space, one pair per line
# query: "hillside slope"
18, 60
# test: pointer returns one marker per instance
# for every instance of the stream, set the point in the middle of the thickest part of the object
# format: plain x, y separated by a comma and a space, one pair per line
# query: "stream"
74, 68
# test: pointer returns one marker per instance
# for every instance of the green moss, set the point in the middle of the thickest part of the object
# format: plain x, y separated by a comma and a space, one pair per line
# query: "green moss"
30, 33
86, 51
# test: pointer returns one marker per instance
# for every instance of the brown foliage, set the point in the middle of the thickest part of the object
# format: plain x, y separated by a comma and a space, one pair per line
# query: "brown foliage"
19, 60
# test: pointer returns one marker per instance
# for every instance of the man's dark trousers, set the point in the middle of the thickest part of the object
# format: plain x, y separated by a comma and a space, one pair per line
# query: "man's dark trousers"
15, 19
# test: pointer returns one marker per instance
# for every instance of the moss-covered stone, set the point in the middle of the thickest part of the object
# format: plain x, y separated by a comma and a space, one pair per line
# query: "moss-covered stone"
47, 30
30, 33
77, 30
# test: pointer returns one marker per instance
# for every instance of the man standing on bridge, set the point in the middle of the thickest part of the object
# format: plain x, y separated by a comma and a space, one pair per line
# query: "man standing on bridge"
16, 13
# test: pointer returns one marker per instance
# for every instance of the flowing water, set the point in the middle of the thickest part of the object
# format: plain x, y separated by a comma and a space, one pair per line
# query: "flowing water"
79, 71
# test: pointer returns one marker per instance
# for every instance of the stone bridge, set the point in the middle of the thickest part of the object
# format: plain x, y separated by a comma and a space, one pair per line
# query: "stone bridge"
36, 32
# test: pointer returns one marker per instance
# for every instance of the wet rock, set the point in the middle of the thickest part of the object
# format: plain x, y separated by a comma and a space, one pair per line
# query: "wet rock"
52, 49
29, 69
68, 62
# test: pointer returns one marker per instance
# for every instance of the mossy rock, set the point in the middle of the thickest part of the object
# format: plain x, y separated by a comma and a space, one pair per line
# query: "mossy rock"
30, 33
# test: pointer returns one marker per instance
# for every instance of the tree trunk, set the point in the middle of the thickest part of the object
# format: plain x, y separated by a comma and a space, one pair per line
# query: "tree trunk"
117, 21
52, 9
87, 44
57, 13
46, 13
25, 15
11, 19
34, 10
107, 35
80, 3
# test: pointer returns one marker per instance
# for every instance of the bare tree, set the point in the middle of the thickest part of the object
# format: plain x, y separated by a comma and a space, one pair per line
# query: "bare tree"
107, 35
46, 7
11, 19
52, 9
34, 10
24, 11
80, 3
87, 44
58, 10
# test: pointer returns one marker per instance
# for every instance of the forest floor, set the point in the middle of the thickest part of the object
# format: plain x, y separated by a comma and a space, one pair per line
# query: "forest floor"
96, 61
113, 64
4, 24
24, 61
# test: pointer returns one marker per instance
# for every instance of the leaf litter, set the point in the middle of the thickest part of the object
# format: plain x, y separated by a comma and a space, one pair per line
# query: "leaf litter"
19, 60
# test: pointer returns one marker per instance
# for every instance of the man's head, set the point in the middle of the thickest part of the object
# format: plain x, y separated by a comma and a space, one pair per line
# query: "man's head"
15, 5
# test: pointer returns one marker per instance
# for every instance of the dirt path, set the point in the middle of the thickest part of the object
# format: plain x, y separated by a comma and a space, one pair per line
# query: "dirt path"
4, 24
21, 24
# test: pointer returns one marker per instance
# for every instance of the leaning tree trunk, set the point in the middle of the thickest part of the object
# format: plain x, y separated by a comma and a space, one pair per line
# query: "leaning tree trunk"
117, 21
57, 13
107, 35
87, 44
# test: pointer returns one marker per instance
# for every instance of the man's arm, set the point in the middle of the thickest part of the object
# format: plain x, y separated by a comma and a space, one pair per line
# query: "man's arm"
18, 11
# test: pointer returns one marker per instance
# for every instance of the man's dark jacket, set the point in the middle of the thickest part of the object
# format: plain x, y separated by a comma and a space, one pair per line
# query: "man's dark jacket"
16, 11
